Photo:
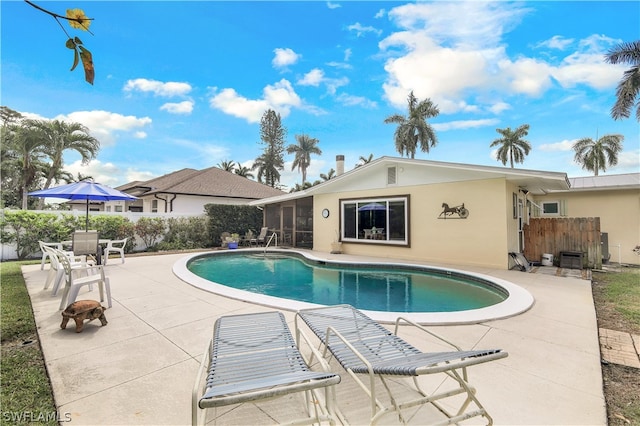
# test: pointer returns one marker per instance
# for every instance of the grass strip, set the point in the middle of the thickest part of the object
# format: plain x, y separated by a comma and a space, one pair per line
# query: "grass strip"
25, 395
623, 290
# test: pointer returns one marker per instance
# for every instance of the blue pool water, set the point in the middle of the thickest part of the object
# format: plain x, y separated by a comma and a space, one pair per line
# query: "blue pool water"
370, 287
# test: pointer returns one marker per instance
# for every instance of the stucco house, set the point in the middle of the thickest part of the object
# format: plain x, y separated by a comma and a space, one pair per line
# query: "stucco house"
615, 199
415, 209
186, 192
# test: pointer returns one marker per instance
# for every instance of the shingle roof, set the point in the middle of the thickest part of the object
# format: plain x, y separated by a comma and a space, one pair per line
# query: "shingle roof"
211, 182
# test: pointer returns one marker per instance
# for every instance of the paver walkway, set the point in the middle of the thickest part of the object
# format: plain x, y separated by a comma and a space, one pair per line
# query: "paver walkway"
618, 347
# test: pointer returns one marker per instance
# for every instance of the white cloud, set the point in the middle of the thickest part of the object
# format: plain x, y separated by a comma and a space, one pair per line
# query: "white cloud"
284, 57
565, 145
347, 54
465, 124
526, 75
158, 88
556, 42
380, 14
103, 125
587, 68
316, 77
498, 107
312, 78
351, 100
629, 160
184, 107
362, 30
105, 173
280, 97
331, 5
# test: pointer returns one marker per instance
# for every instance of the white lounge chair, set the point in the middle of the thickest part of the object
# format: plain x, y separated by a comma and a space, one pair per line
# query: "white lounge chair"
253, 357
364, 347
261, 239
114, 246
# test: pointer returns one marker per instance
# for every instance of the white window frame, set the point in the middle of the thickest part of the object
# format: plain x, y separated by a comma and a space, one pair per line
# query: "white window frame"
387, 241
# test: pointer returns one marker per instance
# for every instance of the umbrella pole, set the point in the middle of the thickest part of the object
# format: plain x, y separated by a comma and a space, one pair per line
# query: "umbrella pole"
86, 223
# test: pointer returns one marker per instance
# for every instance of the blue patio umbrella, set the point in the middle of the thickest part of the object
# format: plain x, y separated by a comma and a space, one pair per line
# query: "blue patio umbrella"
372, 207
85, 190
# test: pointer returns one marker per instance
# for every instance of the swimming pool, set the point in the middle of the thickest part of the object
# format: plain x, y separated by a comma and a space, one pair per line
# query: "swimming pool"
383, 290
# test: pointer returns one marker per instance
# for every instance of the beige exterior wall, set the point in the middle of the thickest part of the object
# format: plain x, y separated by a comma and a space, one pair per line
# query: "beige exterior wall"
483, 239
619, 213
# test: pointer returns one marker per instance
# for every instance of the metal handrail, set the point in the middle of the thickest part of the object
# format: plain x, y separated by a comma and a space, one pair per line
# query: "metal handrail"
274, 235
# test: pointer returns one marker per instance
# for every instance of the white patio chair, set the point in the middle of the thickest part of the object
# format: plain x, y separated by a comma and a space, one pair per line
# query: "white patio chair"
56, 270
73, 284
364, 347
114, 246
253, 357
45, 254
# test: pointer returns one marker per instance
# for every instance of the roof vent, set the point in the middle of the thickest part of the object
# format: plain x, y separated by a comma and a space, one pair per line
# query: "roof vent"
391, 175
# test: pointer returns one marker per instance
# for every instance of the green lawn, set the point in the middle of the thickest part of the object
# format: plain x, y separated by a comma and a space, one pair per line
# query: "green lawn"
25, 394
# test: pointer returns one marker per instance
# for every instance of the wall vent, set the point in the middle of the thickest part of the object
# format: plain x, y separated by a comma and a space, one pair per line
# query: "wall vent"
391, 175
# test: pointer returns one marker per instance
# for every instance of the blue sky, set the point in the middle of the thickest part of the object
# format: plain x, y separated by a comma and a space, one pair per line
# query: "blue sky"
184, 84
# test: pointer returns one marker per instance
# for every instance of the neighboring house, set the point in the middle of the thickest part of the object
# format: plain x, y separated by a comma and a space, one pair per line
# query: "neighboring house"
395, 208
185, 191
615, 199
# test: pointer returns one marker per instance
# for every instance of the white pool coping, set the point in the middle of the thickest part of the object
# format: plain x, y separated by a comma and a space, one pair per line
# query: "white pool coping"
518, 301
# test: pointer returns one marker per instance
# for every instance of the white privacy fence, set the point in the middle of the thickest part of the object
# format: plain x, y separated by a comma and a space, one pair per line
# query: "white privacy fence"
8, 251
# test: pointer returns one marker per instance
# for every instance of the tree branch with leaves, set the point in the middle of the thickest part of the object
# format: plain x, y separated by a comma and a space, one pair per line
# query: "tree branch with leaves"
77, 20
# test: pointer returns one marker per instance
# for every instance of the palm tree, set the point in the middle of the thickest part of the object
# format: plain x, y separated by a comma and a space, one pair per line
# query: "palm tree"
414, 128
595, 156
326, 177
227, 166
243, 171
513, 148
629, 87
303, 150
59, 137
364, 160
28, 151
268, 167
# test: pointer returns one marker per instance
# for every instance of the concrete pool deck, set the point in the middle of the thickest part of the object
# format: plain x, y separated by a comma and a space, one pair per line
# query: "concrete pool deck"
140, 368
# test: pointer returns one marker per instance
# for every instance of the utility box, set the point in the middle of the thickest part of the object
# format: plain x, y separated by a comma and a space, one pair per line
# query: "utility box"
547, 259
571, 259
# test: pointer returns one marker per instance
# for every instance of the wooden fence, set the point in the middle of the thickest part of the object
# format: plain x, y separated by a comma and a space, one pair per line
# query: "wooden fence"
554, 235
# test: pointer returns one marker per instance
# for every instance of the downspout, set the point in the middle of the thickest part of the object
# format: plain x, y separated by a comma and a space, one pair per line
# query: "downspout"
171, 202
167, 202
162, 199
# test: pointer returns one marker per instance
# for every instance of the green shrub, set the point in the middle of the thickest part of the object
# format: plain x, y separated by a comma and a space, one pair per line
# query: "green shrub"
25, 228
150, 229
186, 233
232, 219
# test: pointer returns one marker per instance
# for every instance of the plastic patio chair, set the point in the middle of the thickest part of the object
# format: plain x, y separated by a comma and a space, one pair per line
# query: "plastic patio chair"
56, 270
114, 246
364, 347
253, 357
45, 253
73, 283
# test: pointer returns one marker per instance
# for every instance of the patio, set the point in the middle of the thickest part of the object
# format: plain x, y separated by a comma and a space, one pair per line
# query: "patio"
140, 368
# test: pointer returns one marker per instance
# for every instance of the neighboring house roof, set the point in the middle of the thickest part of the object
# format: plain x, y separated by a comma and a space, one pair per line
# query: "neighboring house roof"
606, 182
211, 182
424, 172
